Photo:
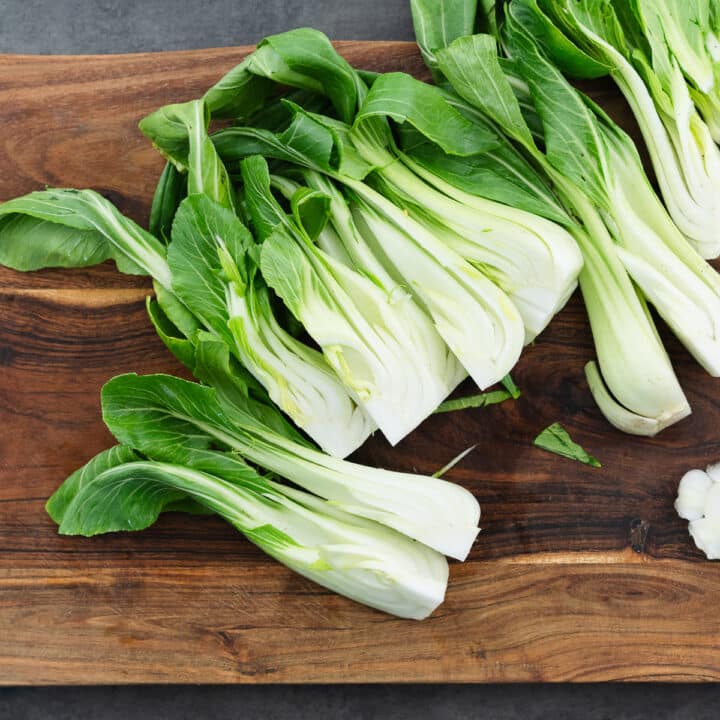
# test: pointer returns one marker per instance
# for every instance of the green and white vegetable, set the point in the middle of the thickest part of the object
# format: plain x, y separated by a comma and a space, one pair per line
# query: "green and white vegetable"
637, 391
118, 490
167, 418
363, 336
634, 44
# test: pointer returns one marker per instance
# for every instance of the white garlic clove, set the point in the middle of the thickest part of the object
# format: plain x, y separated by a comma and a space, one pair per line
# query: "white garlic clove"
692, 494
712, 502
706, 534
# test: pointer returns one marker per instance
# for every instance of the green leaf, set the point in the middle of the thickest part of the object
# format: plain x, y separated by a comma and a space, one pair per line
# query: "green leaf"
265, 211
182, 348
76, 228
59, 502
239, 93
31, 243
305, 58
203, 234
437, 24
573, 143
177, 313
509, 384
278, 113
311, 210
180, 133
404, 99
555, 439
565, 54
236, 388
170, 190
471, 65
167, 129
474, 401
501, 174
288, 272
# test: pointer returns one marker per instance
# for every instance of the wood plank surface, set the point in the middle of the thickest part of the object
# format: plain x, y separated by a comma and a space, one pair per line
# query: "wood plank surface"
579, 574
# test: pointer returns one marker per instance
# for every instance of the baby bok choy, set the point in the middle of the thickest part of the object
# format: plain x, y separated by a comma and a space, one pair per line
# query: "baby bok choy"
637, 391
638, 45
206, 280
120, 490
537, 268
365, 338
477, 321
169, 419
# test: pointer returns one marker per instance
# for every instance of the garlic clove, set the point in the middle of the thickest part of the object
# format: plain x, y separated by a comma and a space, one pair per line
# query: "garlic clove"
692, 494
706, 534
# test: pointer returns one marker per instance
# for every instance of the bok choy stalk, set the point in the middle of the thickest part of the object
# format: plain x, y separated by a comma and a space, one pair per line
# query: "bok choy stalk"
167, 418
206, 280
637, 391
364, 338
633, 46
215, 270
672, 275
199, 287
341, 238
118, 490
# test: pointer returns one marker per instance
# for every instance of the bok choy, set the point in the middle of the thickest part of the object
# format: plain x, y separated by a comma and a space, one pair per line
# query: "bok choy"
639, 46
637, 390
170, 419
119, 490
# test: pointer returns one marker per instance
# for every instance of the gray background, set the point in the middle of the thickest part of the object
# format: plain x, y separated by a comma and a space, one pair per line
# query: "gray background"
110, 26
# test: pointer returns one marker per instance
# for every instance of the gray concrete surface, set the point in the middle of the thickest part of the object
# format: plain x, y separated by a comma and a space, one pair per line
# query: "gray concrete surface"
102, 26
409, 702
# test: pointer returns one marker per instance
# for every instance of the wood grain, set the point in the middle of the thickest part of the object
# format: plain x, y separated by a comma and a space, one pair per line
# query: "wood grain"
579, 574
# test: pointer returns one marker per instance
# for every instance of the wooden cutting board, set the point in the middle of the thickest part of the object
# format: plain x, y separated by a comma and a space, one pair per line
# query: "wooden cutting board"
579, 574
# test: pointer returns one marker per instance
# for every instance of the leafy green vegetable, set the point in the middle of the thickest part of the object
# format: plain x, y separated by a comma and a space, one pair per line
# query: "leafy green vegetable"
535, 261
476, 320
645, 46
363, 335
75, 228
215, 267
502, 241
170, 420
577, 155
555, 439
363, 560
438, 23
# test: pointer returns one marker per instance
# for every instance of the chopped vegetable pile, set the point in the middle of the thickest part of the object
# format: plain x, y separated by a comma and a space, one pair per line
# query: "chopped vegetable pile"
352, 246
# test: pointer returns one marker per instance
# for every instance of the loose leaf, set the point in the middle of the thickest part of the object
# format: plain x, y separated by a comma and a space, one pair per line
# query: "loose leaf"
555, 439
474, 401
